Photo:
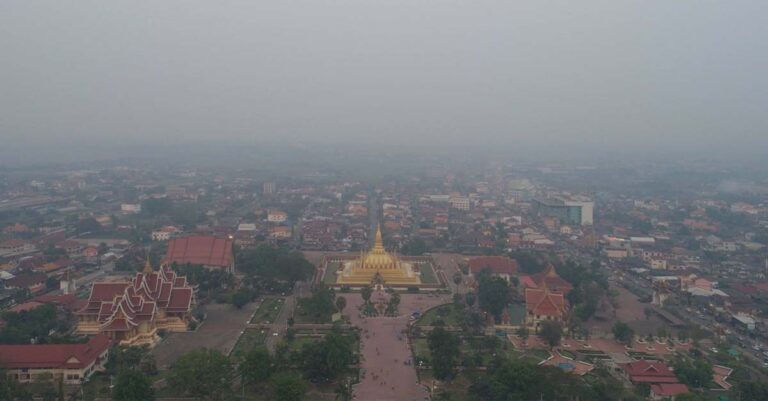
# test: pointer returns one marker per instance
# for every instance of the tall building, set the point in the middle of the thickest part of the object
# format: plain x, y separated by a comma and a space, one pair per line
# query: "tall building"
269, 188
571, 212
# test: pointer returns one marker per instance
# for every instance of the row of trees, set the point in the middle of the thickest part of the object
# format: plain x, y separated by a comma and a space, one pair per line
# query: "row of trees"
275, 265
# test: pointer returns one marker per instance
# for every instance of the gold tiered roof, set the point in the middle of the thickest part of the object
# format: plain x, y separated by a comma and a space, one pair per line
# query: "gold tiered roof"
378, 262
378, 258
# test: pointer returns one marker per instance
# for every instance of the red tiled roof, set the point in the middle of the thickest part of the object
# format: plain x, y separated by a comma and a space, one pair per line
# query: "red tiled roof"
38, 356
200, 250
649, 372
552, 280
545, 303
496, 264
668, 389
26, 280
120, 306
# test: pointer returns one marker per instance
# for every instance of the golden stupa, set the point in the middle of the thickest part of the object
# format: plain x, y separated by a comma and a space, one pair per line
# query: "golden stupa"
378, 267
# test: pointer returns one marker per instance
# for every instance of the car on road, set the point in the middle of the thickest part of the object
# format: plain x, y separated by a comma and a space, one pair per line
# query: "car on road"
275, 334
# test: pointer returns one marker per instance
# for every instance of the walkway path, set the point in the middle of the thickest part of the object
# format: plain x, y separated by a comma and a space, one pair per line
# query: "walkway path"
385, 349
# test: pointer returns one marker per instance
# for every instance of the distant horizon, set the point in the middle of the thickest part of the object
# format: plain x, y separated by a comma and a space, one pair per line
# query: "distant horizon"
601, 80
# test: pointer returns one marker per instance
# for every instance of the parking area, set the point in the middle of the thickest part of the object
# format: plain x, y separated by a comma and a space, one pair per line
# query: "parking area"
220, 331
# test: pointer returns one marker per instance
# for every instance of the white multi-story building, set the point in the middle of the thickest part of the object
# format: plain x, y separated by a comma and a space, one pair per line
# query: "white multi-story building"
459, 202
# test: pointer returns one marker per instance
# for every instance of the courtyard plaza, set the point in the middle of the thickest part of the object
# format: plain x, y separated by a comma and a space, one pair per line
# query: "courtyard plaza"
387, 371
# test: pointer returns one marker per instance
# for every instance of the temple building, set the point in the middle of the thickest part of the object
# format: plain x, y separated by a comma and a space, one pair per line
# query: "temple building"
378, 267
548, 278
131, 312
542, 304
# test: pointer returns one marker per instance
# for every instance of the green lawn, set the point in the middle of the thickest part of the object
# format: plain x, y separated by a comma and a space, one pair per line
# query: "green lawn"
300, 315
250, 339
330, 272
421, 349
268, 310
427, 273
458, 388
448, 313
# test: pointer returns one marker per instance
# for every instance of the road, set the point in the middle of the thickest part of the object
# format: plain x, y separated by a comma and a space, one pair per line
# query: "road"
302, 289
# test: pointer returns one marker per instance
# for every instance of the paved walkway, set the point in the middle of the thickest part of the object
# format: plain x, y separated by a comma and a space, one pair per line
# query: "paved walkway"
385, 349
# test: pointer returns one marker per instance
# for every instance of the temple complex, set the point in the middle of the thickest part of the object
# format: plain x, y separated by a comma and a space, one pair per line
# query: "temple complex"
131, 312
378, 267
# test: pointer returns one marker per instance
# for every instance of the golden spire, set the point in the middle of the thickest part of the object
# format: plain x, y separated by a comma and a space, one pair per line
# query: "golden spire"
378, 243
147, 266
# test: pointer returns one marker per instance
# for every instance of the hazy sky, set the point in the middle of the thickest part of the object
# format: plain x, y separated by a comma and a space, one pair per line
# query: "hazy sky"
570, 74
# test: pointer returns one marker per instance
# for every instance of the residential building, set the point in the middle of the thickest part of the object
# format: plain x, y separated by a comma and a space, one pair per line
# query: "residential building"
206, 250
72, 363
130, 208
498, 266
277, 216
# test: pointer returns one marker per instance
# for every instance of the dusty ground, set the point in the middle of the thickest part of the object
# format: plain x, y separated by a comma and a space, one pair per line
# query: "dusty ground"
630, 311
220, 331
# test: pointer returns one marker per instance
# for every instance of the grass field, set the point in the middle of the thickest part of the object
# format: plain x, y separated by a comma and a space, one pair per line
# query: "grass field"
250, 339
421, 349
447, 313
427, 273
330, 273
268, 310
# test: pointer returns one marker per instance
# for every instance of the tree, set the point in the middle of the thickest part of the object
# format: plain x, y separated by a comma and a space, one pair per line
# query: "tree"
470, 298
366, 293
288, 387
444, 348
492, 294
623, 333
523, 333
320, 305
326, 359
414, 247
241, 298
695, 373
551, 332
256, 366
457, 278
517, 380
88, 224
32, 325
203, 373
132, 385
700, 397
341, 303
752, 390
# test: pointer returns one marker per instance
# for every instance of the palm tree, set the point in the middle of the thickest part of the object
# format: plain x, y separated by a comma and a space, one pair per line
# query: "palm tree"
366, 293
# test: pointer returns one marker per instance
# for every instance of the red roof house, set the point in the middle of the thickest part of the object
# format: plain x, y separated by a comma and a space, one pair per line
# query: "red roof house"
663, 391
648, 372
499, 266
205, 250
72, 362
